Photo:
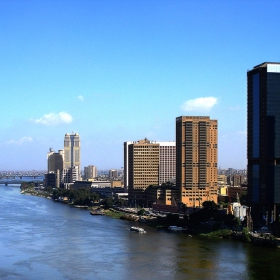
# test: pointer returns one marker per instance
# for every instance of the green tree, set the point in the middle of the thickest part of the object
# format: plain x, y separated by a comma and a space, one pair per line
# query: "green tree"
210, 205
107, 202
141, 212
243, 198
246, 235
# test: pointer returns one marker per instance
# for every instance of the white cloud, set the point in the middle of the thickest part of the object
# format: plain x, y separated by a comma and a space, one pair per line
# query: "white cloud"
199, 104
81, 98
20, 141
55, 119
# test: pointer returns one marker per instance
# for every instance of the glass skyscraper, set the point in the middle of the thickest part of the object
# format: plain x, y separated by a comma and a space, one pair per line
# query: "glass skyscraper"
263, 145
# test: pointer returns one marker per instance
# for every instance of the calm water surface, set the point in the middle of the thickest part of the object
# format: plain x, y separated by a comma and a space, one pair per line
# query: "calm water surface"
43, 239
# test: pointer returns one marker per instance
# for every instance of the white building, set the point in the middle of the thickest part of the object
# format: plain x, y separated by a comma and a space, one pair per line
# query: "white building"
90, 172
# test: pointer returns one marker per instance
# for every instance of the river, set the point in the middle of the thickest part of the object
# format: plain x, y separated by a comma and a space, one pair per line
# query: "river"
43, 239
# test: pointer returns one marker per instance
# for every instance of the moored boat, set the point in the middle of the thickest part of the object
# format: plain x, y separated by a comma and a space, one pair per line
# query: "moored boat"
138, 229
175, 228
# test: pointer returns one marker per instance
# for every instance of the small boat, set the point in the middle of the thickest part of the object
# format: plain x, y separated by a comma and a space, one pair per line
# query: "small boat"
138, 229
175, 228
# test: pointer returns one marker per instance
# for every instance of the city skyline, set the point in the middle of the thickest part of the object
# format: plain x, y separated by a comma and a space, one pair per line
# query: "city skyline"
117, 71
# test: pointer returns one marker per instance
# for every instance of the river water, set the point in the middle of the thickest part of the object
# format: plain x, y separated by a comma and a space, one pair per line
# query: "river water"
43, 239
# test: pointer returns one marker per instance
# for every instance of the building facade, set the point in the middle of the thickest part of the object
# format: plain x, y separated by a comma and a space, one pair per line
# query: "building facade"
196, 159
263, 143
72, 151
143, 168
55, 167
90, 172
113, 174
147, 163
69, 176
167, 162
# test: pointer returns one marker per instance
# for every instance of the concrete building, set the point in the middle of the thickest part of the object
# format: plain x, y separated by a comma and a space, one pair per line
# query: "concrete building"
90, 172
237, 180
69, 176
167, 195
236, 192
263, 146
222, 179
72, 151
196, 159
167, 162
50, 180
143, 168
147, 163
55, 167
103, 188
113, 174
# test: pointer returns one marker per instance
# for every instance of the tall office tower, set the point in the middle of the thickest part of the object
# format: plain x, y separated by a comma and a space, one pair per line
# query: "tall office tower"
167, 162
72, 151
148, 163
55, 160
196, 159
55, 165
263, 146
126, 164
90, 172
141, 161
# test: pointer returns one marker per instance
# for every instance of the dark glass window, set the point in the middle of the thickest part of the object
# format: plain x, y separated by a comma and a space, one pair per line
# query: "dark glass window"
256, 116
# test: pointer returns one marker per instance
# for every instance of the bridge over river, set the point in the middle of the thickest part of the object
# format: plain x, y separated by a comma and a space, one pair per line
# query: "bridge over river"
7, 180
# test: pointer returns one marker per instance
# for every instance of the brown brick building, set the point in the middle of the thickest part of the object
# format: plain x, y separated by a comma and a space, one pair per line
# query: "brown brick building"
196, 159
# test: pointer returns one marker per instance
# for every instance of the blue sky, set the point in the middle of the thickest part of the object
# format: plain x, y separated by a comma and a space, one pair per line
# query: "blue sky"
117, 71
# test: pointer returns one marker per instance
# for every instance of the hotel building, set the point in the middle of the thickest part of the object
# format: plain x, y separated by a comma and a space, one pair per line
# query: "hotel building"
72, 152
196, 159
147, 163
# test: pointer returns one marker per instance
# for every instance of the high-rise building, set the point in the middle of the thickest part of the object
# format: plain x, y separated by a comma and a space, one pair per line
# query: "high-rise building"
143, 168
126, 164
196, 159
55, 161
90, 172
167, 162
72, 151
113, 174
147, 163
55, 167
263, 146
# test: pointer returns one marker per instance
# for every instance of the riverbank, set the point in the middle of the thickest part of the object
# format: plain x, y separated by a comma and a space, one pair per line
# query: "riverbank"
129, 214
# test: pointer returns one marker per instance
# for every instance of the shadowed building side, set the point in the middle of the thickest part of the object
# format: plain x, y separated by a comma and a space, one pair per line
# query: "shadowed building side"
263, 143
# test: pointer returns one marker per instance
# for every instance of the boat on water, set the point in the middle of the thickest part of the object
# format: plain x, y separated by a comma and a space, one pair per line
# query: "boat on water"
175, 228
138, 229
